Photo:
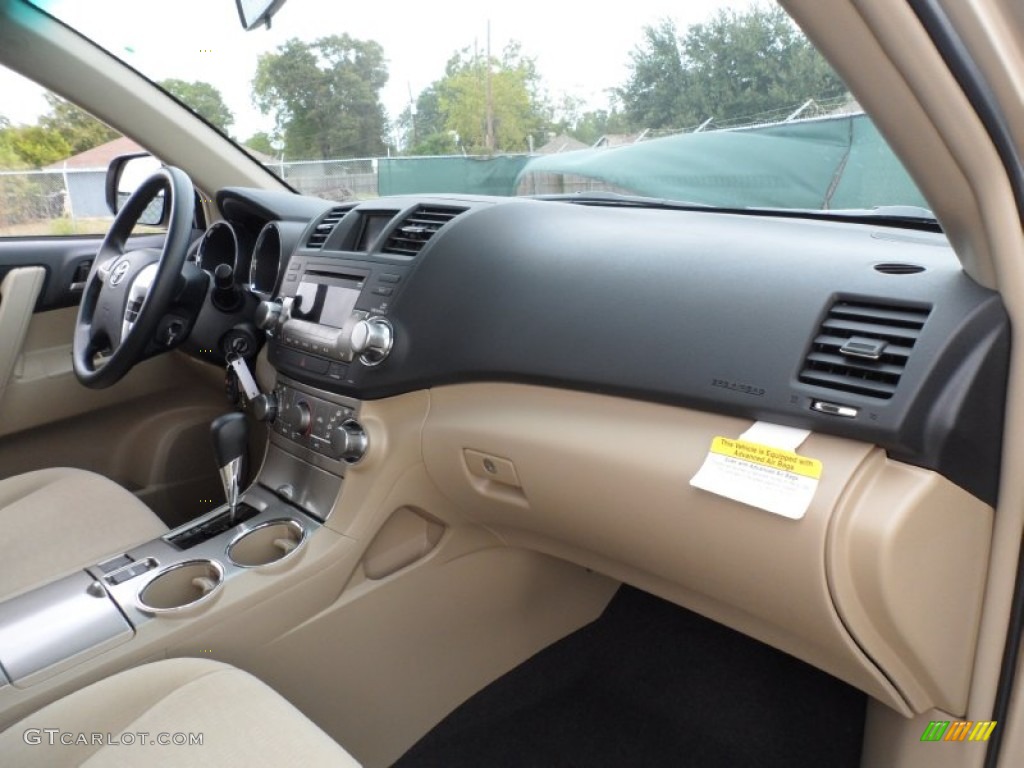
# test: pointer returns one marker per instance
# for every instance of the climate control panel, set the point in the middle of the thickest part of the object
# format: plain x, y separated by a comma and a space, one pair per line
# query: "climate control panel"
323, 427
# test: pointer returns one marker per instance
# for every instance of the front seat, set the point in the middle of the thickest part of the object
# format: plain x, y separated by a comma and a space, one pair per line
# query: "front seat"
59, 520
243, 722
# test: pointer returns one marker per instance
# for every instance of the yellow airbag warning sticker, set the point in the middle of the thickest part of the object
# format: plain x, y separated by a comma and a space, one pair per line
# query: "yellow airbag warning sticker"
773, 479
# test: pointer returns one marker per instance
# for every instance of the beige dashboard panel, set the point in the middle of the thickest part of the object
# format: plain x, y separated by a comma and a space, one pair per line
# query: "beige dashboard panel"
907, 557
604, 482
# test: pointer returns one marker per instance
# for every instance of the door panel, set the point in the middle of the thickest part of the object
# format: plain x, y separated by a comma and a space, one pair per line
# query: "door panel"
19, 292
149, 432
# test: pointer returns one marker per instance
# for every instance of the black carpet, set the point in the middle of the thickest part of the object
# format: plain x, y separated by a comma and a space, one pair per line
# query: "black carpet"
651, 684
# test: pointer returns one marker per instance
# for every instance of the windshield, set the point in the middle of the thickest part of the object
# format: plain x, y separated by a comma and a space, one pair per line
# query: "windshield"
716, 102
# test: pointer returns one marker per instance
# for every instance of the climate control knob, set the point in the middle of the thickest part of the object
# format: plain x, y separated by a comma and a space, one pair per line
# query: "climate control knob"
297, 416
372, 339
269, 315
349, 441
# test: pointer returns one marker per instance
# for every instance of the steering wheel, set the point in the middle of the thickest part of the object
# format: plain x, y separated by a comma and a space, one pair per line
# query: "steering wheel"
128, 292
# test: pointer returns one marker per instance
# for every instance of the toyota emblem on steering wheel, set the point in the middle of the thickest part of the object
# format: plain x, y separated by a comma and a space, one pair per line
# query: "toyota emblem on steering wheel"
118, 273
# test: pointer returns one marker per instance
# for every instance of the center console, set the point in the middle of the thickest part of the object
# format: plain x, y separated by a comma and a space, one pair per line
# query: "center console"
329, 324
50, 629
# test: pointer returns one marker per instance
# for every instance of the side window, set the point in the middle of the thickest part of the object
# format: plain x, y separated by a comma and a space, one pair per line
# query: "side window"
53, 163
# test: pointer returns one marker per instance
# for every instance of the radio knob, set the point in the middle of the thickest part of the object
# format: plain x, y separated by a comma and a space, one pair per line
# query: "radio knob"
264, 407
349, 441
372, 340
268, 315
297, 416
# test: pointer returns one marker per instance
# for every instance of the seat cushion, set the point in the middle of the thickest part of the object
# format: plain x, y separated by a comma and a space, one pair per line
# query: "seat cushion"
243, 722
56, 521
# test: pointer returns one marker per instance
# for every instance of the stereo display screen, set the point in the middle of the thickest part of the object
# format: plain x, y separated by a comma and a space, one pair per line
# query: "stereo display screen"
328, 301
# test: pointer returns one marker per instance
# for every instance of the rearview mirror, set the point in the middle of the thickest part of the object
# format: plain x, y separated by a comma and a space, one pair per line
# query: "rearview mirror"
256, 12
124, 175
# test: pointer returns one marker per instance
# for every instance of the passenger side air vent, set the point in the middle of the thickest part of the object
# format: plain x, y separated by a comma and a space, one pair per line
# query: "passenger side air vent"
323, 229
417, 228
863, 348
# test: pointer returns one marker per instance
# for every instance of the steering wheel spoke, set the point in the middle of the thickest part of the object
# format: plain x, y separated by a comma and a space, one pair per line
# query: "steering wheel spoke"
129, 291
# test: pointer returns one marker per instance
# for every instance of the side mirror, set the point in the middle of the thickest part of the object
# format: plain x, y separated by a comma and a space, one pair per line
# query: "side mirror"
124, 175
253, 13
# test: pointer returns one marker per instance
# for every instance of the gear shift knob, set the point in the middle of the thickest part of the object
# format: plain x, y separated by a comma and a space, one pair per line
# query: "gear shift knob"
230, 434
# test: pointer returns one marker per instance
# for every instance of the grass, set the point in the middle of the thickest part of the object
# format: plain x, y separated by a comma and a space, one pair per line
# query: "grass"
64, 227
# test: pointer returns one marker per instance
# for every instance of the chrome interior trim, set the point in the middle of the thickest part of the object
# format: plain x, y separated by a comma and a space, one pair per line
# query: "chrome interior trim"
57, 625
221, 578
247, 530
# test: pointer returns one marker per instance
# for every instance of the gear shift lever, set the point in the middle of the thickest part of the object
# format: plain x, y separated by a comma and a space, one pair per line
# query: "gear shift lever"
230, 435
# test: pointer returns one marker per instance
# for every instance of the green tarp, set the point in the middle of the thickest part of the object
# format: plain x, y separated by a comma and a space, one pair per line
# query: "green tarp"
839, 162
467, 175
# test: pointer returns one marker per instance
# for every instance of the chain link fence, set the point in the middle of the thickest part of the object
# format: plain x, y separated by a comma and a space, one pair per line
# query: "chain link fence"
70, 201
50, 202
339, 180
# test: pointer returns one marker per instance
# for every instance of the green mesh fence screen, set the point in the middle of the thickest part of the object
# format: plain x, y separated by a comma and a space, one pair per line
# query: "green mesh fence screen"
840, 162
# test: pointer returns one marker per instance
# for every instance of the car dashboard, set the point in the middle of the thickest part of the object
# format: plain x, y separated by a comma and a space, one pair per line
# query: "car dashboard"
578, 363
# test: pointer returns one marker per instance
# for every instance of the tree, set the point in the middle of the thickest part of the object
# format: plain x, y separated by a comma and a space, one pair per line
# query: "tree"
517, 109
588, 126
32, 146
261, 142
79, 130
325, 96
203, 99
738, 64
424, 131
452, 113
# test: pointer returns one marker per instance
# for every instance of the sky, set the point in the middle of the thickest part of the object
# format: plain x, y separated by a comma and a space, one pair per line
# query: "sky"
580, 49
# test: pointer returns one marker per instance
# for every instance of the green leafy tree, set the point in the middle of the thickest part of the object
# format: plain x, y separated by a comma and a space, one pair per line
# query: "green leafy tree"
424, 131
202, 98
79, 129
34, 145
738, 64
517, 107
261, 142
325, 96
590, 125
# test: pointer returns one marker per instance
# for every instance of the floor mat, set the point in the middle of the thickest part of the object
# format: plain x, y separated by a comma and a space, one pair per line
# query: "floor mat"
651, 684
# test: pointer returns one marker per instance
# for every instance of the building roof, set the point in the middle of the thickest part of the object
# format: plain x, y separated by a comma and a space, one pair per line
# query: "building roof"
99, 157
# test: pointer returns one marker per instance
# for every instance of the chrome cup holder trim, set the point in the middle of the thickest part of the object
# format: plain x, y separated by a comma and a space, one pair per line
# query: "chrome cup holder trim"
290, 522
221, 578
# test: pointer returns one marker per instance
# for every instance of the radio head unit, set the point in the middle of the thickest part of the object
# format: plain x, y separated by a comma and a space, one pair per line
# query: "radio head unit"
331, 312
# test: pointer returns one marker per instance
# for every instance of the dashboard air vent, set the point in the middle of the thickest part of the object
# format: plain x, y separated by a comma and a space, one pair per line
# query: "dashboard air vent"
863, 348
417, 228
325, 226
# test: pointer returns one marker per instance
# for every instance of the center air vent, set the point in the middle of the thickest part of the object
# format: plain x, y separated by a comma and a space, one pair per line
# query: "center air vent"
327, 224
863, 348
417, 228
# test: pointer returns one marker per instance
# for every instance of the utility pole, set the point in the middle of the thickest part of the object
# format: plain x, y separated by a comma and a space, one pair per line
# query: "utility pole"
412, 113
490, 96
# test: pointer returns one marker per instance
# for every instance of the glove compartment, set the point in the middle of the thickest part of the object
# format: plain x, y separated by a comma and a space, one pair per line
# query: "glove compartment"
879, 583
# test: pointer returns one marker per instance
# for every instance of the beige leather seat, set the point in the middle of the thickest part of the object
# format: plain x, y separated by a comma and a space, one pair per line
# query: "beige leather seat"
242, 721
59, 520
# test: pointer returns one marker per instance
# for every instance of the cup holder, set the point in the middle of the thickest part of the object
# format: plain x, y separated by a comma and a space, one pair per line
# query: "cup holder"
267, 543
181, 586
